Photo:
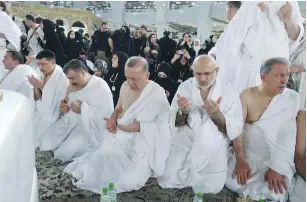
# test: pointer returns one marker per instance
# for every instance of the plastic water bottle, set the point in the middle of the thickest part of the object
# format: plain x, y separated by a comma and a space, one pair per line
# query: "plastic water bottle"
198, 197
112, 192
105, 195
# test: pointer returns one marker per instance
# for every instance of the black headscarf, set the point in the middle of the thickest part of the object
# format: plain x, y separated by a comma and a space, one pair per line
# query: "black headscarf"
72, 47
119, 74
53, 42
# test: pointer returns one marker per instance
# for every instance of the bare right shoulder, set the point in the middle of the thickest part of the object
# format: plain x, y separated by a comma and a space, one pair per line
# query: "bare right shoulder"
249, 93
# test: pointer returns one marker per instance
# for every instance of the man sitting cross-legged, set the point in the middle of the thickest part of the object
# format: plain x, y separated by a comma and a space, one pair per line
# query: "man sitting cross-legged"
139, 140
205, 116
265, 170
80, 127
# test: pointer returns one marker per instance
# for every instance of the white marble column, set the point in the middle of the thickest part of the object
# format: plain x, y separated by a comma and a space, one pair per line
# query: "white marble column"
161, 9
204, 23
117, 13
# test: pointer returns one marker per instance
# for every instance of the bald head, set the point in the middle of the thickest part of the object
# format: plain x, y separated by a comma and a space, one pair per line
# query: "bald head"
137, 62
136, 72
204, 62
205, 70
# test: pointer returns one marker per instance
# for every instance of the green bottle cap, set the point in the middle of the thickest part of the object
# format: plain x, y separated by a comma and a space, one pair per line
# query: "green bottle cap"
199, 195
111, 185
105, 190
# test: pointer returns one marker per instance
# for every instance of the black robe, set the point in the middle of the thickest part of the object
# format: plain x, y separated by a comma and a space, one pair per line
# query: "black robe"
52, 42
115, 78
169, 86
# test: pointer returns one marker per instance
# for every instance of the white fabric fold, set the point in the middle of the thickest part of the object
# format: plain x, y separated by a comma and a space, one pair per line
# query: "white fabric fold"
198, 156
17, 81
251, 38
10, 30
73, 134
47, 108
230, 45
299, 191
269, 143
129, 159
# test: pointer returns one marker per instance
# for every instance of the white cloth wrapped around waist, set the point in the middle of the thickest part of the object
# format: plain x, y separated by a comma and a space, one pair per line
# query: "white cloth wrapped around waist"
252, 146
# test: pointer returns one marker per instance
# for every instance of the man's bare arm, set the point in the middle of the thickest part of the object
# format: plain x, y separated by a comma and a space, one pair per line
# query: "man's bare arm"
238, 142
118, 109
110, 41
37, 93
219, 120
300, 148
293, 30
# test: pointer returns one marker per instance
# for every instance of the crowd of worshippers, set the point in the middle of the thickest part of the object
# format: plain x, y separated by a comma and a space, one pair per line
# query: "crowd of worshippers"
105, 54
229, 121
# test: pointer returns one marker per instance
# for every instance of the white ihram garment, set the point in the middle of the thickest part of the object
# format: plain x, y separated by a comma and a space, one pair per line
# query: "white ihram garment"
17, 81
73, 134
199, 152
251, 38
47, 109
269, 143
10, 31
299, 191
129, 159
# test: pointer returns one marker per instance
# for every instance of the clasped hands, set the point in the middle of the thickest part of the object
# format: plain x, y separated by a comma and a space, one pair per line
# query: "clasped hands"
112, 126
75, 106
275, 181
211, 107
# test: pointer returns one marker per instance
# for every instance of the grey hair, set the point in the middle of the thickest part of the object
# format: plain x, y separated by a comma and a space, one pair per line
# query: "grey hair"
267, 66
136, 61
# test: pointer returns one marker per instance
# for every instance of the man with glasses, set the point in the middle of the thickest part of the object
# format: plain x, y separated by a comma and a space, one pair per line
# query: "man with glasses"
266, 168
203, 119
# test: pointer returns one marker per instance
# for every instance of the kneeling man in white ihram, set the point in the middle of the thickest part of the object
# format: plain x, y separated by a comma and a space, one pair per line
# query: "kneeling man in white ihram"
266, 168
139, 139
80, 126
203, 120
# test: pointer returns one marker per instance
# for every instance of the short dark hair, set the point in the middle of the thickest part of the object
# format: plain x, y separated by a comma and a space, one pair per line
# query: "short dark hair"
45, 54
104, 23
235, 4
144, 27
136, 60
17, 56
76, 65
3, 5
30, 18
82, 52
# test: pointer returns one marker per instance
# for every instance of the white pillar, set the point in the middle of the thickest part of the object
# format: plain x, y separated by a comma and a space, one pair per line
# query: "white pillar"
117, 13
161, 8
204, 23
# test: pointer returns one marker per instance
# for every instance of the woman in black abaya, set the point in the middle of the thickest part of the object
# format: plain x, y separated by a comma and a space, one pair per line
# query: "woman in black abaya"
51, 41
116, 74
